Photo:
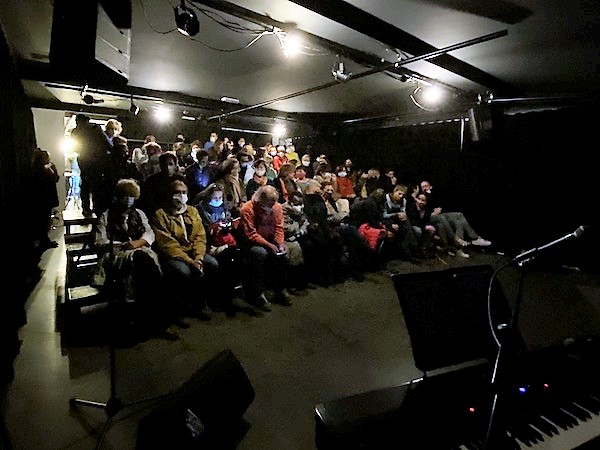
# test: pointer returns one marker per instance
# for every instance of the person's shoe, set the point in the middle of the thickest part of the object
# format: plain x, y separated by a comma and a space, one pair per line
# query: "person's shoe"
462, 254
283, 298
166, 335
358, 276
452, 252
461, 242
204, 314
181, 323
262, 303
481, 242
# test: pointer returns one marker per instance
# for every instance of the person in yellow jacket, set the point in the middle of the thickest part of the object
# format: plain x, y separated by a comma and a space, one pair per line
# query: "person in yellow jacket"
181, 245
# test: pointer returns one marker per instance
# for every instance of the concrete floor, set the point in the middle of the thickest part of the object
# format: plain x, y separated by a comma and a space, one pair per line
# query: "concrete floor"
331, 343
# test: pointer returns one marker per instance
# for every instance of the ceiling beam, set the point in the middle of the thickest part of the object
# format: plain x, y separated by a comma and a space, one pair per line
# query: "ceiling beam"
349, 15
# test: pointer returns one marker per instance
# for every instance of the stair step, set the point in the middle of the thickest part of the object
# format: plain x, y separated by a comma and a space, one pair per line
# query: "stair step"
81, 292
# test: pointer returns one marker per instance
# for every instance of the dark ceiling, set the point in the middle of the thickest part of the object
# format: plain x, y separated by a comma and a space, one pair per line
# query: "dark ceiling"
520, 51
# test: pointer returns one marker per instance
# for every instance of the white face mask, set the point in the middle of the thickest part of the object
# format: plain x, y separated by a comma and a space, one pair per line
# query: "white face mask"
342, 174
260, 172
298, 208
216, 203
213, 139
127, 202
183, 198
305, 163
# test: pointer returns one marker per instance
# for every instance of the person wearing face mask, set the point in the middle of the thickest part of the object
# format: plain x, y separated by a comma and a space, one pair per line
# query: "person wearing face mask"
211, 140
199, 175
222, 245
262, 241
155, 189
246, 166
295, 229
308, 166
235, 194
181, 245
259, 178
345, 186
126, 262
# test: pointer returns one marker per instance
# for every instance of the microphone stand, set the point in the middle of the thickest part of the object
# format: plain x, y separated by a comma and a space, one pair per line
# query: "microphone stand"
507, 351
114, 404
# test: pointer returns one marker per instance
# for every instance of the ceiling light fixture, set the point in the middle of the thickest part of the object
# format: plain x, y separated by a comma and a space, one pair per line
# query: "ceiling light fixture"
134, 109
186, 20
339, 71
230, 100
87, 98
429, 99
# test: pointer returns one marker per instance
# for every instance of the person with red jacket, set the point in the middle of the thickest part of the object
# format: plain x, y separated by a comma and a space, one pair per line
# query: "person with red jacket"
263, 242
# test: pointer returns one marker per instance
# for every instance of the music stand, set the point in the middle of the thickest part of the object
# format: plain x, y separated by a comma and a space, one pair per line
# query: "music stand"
113, 405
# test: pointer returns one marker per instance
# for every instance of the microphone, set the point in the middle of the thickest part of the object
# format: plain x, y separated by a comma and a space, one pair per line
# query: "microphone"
530, 254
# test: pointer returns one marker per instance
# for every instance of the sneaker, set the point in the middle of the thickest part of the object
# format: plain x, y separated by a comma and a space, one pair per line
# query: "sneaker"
481, 242
262, 303
283, 298
204, 314
452, 252
461, 242
178, 322
462, 254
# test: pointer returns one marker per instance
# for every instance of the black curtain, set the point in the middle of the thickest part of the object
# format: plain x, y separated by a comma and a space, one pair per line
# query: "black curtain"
20, 273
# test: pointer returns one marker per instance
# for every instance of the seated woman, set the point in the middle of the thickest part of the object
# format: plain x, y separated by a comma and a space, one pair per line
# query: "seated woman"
295, 226
259, 178
181, 245
222, 245
128, 268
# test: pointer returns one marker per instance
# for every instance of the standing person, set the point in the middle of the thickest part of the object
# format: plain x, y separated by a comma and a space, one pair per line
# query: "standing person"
263, 242
91, 147
44, 176
155, 189
181, 245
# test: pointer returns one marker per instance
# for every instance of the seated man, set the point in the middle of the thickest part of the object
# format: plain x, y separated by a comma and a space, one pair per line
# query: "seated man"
181, 245
461, 227
263, 242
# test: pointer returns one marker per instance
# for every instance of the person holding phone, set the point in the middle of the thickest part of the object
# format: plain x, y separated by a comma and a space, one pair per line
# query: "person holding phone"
262, 240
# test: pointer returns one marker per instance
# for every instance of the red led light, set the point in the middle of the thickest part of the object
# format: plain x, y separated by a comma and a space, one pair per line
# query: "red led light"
471, 409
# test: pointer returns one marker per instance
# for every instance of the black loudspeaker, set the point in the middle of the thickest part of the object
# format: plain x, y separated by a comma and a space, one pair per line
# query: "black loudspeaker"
446, 314
86, 45
206, 412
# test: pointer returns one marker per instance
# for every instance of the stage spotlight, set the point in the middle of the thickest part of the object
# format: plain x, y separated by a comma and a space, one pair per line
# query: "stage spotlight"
186, 20
338, 71
134, 109
89, 100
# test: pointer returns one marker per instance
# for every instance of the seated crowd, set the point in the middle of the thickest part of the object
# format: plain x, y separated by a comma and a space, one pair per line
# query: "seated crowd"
187, 227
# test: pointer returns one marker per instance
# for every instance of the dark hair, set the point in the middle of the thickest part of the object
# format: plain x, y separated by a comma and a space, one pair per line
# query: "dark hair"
164, 157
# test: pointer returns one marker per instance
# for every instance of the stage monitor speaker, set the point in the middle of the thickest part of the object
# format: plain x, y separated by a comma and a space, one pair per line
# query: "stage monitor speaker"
446, 315
85, 44
206, 412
